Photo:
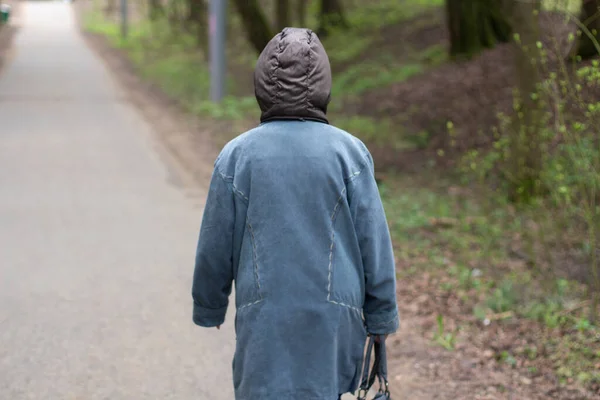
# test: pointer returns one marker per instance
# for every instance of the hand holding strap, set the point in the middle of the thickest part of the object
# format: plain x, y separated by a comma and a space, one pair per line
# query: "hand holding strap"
378, 371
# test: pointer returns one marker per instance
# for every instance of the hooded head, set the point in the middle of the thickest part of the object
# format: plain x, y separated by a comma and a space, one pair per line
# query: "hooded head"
292, 78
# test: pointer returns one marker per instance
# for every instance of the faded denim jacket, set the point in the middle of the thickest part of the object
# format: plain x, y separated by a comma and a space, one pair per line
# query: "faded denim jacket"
294, 218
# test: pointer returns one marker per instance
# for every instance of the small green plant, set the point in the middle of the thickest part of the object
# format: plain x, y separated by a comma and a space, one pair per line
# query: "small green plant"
531, 352
480, 313
583, 325
547, 312
447, 286
467, 278
532, 370
507, 358
503, 298
445, 339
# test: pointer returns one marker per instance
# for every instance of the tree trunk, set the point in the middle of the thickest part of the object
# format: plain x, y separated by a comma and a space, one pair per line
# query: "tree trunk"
590, 17
255, 23
197, 21
331, 17
475, 25
282, 14
155, 9
301, 12
525, 162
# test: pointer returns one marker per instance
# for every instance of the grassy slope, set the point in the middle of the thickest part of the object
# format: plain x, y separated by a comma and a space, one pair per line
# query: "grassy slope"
475, 245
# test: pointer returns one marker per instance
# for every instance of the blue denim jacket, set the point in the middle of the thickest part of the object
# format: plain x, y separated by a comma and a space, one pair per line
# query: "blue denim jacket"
294, 218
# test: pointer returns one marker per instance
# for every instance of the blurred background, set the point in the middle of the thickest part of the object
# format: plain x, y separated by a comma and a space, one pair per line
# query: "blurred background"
483, 119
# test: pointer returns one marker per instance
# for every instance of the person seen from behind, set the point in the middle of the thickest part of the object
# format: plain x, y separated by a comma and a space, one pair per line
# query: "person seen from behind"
294, 217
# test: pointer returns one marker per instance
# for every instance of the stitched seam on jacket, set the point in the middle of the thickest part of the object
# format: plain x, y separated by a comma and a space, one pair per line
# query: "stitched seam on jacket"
306, 83
229, 180
226, 178
256, 275
276, 82
337, 205
239, 192
346, 305
331, 247
354, 175
249, 304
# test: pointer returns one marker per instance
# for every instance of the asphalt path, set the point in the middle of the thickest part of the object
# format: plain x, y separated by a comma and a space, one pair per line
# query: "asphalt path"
97, 236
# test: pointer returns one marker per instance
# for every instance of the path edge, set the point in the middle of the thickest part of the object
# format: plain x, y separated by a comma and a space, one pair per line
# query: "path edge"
183, 138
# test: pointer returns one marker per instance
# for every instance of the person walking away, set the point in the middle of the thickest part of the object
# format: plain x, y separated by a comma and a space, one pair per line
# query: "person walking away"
294, 217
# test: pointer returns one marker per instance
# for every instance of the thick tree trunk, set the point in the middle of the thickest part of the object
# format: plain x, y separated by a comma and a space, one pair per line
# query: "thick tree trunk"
475, 25
525, 163
331, 17
590, 17
282, 14
255, 23
197, 20
301, 12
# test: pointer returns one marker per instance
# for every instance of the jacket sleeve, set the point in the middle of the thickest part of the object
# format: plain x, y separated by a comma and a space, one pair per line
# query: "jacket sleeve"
213, 273
380, 309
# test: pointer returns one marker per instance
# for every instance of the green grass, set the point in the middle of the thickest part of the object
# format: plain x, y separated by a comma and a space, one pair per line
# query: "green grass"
384, 71
570, 6
464, 241
360, 78
172, 62
374, 15
343, 48
381, 131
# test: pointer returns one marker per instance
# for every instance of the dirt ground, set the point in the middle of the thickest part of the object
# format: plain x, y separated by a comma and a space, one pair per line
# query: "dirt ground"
419, 370
469, 93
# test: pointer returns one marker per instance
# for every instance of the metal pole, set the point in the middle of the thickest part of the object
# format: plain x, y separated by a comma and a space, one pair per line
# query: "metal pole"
124, 19
217, 20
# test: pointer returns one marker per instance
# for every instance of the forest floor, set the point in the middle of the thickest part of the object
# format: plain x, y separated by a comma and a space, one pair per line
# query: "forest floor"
463, 278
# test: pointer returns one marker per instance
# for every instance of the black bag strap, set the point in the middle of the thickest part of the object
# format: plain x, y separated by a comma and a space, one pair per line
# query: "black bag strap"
367, 381
380, 354
379, 369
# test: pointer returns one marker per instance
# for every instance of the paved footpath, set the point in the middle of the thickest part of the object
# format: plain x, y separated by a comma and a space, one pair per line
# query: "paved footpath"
97, 238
